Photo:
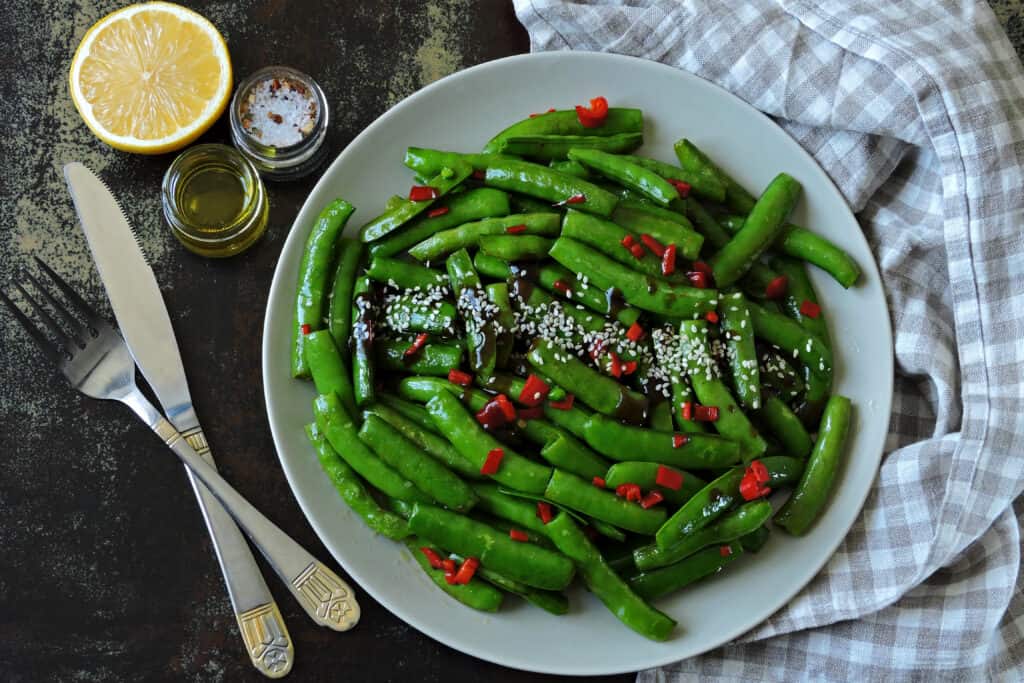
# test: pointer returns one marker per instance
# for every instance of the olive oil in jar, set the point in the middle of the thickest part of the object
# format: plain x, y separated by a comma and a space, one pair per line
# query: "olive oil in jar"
214, 201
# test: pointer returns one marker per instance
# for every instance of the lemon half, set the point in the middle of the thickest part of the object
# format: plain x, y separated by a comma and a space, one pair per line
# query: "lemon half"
151, 78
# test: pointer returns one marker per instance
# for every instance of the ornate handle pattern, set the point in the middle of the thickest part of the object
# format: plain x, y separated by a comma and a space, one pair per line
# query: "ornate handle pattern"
266, 640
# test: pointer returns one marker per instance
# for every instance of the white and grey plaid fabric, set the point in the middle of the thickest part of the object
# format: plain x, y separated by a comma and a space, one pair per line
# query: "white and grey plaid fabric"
916, 110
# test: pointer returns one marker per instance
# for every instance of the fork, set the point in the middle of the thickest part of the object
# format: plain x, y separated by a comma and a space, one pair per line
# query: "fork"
96, 361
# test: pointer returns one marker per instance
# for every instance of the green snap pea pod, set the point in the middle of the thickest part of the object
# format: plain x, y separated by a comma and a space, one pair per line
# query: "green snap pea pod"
706, 186
314, 269
645, 475
408, 313
404, 509
732, 423
786, 426
636, 210
481, 330
759, 230
524, 562
516, 247
352, 491
573, 420
660, 582
432, 359
715, 236
695, 161
682, 393
434, 445
801, 243
778, 375
798, 290
566, 122
581, 495
519, 511
422, 389
426, 473
339, 314
446, 180
550, 185
809, 498
364, 315
730, 527
644, 221
549, 601
404, 274
521, 203
788, 335
573, 168
617, 441
393, 202
721, 495
567, 453
626, 173
478, 594
755, 540
473, 443
552, 147
603, 582
505, 526
497, 294
411, 412
429, 162
603, 528
661, 416
600, 392
606, 237
513, 386
473, 205
639, 290
330, 374
340, 431
742, 353
468, 235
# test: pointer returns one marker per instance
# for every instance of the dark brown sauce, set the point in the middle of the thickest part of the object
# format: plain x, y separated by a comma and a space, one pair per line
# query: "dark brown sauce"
614, 300
630, 409
522, 288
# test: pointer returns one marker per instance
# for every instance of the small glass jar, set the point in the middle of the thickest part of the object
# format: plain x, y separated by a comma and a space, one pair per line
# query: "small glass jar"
279, 122
214, 201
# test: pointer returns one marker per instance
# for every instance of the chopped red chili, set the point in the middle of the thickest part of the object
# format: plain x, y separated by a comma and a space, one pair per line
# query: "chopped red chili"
433, 558
517, 535
679, 440
456, 376
761, 475
656, 247
467, 570
681, 186
668, 260
491, 416
418, 343
306, 329
507, 409
577, 198
629, 367
594, 115
724, 550
422, 193
531, 413
516, 229
810, 309
627, 241
697, 279
777, 287
686, 410
599, 482
701, 267
615, 365
493, 461
479, 175
550, 110
669, 478
711, 317
635, 332
630, 492
449, 578
439, 211
535, 390
544, 511
705, 413
651, 499
448, 564
637, 250
564, 404
750, 489
561, 286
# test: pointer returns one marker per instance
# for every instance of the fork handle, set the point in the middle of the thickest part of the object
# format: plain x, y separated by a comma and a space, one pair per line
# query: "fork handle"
325, 597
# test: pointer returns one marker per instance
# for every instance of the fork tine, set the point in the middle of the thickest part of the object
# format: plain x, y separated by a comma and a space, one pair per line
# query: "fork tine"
67, 344
79, 331
40, 339
74, 297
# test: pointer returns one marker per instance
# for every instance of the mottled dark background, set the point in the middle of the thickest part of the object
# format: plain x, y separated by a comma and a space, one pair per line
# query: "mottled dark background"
106, 573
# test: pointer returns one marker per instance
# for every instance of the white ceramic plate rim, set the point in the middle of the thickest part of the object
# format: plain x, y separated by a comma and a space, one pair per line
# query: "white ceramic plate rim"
276, 329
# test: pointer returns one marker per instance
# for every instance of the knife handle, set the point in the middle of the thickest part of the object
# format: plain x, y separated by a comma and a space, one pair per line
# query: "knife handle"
259, 620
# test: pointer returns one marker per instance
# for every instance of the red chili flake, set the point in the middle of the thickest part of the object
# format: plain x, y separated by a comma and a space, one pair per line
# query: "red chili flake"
507, 409
535, 390
439, 211
615, 366
656, 247
777, 287
750, 489
629, 491
433, 558
681, 186
629, 367
635, 332
697, 279
627, 241
422, 193
705, 413
463, 379
577, 198
701, 267
810, 309
599, 482
448, 565
724, 550
544, 511
564, 404
591, 532
651, 499
679, 440
711, 317
686, 410
417, 344
668, 260
516, 229
760, 472
532, 413
550, 110
306, 329
561, 286
491, 416
449, 578
517, 535
479, 174
637, 250
533, 116
467, 570
669, 478
594, 115
493, 460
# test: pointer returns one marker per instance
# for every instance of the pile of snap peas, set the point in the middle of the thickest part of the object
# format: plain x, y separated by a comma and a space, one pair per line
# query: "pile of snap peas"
555, 359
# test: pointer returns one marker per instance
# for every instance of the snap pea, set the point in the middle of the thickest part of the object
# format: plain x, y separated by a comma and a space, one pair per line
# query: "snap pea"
497, 294
552, 147
567, 453
330, 374
524, 562
513, 386
719, 496
481, 328
516, 247
473, 205
786, 426
661, 416
429, 162
789, 336
505, 526
628, 174
339, 313
755, 540
606, 237
352, 491
573, 420
340, 431
693, 160
615, 440
730, 527
703, 222
809, 498
520, 512
314, 269
431, 359
433, 444
660, 582
705, 186
798, 290
550, 185
467, 235
478, 594
603, 582
760, 229
446, 179
598, 391
422, 389
576, 493
566, 122
364, 311
473, 443
742, 353
639, 290
406, 312
682, 393
522, 203
404, 274
426, 473
645, 475
645, 221
573, 168
549, 601
415, 414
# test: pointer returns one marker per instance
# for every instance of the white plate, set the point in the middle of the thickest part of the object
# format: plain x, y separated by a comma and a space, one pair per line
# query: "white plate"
461, 112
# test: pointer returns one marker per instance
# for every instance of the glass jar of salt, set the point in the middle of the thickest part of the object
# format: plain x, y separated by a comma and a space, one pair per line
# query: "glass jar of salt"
279, 122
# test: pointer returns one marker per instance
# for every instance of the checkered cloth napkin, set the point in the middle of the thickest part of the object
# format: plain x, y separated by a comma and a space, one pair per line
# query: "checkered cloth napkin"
916, 110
